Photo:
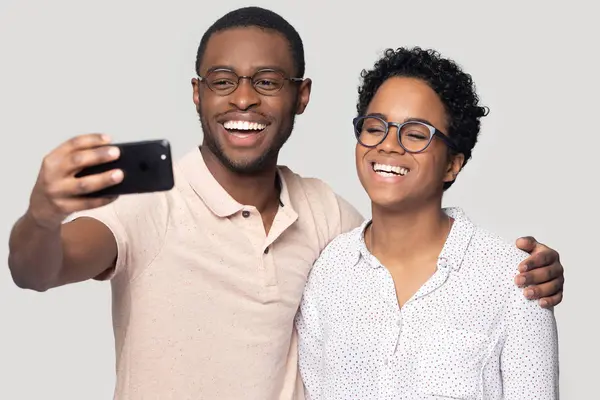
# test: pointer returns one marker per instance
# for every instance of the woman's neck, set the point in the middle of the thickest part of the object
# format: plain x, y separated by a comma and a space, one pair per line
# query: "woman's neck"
408, 237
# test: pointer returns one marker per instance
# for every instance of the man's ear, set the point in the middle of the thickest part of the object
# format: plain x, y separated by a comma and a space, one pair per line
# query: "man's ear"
303, 96
196, 92
455, 164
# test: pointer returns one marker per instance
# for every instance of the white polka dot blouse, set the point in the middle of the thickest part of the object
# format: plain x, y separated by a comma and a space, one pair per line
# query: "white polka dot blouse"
467, 333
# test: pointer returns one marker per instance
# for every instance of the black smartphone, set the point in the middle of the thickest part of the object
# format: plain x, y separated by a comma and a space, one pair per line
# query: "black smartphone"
146, 165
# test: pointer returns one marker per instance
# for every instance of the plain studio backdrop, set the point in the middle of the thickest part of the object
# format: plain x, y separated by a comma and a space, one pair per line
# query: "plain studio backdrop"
124, 68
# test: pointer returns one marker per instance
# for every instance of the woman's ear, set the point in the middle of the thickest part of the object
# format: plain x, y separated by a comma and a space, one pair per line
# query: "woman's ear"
455, 164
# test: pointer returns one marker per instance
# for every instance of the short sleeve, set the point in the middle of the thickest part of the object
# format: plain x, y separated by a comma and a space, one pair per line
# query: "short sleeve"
350, 218
138, 223
333, 215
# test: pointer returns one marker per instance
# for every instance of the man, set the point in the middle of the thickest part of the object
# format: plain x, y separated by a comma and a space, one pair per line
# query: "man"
207, 277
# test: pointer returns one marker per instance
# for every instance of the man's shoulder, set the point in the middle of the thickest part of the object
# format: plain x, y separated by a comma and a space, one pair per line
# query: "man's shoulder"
316, 201
310, 184
320, 195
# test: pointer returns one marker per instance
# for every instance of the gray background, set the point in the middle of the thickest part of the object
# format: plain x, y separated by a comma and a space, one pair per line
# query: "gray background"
124, 68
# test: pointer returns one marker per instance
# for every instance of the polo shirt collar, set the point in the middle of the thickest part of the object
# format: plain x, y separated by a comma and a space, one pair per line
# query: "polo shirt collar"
210, 190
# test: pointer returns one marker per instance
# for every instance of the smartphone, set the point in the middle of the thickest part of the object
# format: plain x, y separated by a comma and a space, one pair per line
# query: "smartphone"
146, 165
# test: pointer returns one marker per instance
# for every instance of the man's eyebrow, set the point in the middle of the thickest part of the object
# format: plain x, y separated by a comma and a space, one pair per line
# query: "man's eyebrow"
255, 69
271, 68
220, 67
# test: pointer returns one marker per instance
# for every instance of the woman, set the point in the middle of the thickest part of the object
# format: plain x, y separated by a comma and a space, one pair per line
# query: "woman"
419, 303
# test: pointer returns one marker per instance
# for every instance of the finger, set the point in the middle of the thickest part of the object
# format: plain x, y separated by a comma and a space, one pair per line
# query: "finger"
552, 301
539, 259
542, 290
80, 142
539, 275
58, 165
73, 187
526, 243
90, 157
83, 142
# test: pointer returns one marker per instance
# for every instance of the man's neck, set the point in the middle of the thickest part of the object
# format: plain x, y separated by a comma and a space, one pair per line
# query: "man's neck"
259, 190
408, 237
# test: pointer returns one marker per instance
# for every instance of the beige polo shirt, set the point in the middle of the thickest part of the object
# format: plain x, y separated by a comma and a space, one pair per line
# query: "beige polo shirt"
203, 300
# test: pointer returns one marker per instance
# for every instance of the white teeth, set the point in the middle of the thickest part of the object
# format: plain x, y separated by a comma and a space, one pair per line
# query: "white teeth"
244, 126
389, 170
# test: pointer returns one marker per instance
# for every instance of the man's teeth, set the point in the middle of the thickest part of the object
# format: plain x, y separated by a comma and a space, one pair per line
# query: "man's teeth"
243, 126
389, 170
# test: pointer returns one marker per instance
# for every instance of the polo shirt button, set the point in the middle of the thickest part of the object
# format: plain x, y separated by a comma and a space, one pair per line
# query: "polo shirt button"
245, 213
267, 250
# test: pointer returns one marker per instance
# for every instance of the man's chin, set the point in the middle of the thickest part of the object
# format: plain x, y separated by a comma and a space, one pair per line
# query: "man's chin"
244, 154
244, 161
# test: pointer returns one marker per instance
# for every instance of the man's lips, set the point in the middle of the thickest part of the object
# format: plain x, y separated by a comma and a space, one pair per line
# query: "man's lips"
243, 122
248, 126
243, 134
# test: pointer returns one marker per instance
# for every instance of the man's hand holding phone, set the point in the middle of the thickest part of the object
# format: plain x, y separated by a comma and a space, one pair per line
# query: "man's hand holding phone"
58, 193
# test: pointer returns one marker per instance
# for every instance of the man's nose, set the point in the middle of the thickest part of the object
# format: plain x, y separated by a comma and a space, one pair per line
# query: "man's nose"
245, 96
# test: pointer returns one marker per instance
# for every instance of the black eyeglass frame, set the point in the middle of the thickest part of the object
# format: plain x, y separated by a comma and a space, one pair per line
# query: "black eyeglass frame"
433, 132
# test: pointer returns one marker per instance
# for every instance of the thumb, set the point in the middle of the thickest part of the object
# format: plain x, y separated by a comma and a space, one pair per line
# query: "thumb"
526, 243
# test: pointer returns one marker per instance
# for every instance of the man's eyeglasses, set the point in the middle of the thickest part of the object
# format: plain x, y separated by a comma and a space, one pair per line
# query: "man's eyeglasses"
266, 82
413, 136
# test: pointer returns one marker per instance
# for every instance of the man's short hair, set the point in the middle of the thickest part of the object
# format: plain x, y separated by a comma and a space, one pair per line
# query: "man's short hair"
260, 18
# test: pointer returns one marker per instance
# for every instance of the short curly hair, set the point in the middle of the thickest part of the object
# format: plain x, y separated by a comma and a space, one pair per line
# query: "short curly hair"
454, 87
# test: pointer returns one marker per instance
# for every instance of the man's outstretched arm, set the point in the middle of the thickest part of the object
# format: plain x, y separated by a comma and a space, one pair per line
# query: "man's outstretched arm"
42, 258
44, 252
